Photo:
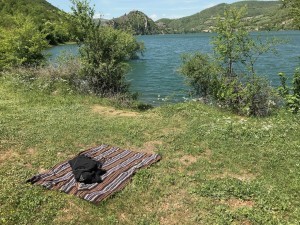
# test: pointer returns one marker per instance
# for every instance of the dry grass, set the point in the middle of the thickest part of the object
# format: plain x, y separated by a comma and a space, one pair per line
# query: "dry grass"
187, 160
151, 146
112, 112
8, 156
234, 203
242, 176
176, 208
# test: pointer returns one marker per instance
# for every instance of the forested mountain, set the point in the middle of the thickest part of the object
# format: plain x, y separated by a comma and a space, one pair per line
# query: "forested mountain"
262, 15
47, 18
38, 9
136, 22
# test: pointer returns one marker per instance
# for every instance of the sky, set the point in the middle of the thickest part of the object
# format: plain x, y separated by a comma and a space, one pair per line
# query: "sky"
155, 9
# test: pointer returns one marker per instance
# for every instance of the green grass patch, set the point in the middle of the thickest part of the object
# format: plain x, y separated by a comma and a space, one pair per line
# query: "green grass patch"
217, 168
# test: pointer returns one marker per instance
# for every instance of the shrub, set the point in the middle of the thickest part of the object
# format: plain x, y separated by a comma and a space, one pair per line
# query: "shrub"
201, 73
103, 52
105, 66
61, 77
229, 77
261, 98
21, 45
231, 43
291, 95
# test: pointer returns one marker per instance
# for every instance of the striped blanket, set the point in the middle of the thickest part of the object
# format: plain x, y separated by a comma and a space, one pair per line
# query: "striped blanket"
120, 165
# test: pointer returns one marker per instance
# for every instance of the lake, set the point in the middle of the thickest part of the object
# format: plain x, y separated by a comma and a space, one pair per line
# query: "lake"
154, 76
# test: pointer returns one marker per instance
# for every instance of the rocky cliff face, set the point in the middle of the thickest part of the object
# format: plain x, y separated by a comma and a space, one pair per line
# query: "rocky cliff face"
136, 22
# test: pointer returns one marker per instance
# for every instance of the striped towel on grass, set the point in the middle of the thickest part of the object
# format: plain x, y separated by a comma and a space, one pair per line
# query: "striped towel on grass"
120, 165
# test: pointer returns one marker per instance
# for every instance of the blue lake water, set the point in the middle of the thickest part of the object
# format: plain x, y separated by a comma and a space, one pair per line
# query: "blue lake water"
154, 76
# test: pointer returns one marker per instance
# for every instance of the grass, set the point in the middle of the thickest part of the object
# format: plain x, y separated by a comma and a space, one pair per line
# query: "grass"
217, 168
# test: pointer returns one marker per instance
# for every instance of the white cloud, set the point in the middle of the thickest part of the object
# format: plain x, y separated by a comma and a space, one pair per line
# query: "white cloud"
153, 16
210, 5
98, 15
175, 16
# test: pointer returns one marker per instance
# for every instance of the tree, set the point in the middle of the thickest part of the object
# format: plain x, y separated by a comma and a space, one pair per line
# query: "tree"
56, 32
230, 44
103, 51
41, 13
229, 77
292, 94
21, 45
202, 74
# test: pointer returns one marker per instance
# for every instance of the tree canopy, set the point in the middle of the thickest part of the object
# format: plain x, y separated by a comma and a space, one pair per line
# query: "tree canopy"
22, 45
47, 18
229, 77
103, 51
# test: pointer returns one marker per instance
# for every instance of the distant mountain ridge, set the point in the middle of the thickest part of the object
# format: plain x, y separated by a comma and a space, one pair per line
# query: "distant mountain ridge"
262, 15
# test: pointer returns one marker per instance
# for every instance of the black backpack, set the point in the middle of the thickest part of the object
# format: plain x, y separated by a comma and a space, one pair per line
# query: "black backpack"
86, 170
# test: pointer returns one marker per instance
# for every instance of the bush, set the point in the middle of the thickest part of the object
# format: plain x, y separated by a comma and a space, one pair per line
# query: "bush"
201, 73
21, 45
260, 98
104, 59
291, 95
103, 52
61, 77
229, 77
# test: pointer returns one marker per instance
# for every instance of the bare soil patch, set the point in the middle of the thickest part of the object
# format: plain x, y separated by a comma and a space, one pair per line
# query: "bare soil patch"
234, 203
242, 222
206, 154
8, 155
150, 146
243, 176
31, 151
123, 218
176, 208
42, 170
110, 111
171, 130
188, 160
70, 212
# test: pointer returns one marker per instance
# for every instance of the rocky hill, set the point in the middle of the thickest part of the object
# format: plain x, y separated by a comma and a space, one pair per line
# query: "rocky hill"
136, 22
